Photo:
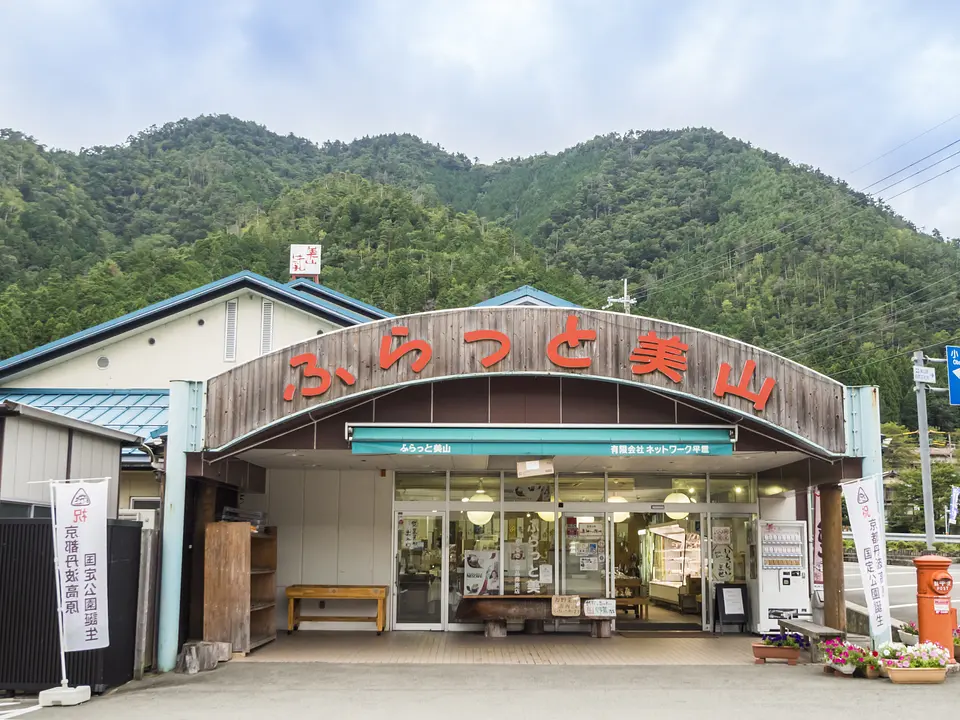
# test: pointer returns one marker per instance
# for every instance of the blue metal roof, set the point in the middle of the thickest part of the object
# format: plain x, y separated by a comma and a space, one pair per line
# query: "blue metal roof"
315, 289
138, 412
527, 291
171, 306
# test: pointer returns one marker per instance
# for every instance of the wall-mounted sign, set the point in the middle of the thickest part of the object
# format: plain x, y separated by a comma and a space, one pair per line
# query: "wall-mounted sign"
466, 342
561, 449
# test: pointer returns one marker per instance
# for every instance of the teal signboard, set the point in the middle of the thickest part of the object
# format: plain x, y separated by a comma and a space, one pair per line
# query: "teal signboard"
638, 449
534, 441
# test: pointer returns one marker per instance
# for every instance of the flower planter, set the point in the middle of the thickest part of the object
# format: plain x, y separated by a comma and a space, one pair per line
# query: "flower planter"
762, 653
871, 673
908, 639
917, 676
956, 652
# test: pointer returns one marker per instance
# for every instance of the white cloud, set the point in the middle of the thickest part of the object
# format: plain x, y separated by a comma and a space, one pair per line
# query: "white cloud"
827, 84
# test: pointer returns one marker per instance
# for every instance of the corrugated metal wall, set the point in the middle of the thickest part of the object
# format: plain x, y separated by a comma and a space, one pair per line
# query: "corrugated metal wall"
29, 644
32, 452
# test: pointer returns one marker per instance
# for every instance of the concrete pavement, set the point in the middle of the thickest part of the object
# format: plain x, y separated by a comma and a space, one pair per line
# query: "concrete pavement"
302, 690
902, 584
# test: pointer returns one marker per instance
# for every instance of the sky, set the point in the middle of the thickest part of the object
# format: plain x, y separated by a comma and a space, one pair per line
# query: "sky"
833, 84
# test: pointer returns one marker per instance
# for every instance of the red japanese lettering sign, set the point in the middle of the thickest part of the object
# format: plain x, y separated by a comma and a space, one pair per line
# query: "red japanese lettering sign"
571, 347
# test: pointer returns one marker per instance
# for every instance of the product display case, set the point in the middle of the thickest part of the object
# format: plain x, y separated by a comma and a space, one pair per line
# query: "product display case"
676, 565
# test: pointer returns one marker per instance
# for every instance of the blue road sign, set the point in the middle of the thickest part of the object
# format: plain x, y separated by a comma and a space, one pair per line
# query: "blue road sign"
953, 373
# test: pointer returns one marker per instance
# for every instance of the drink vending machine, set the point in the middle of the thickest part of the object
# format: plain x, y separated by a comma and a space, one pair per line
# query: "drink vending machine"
784, 585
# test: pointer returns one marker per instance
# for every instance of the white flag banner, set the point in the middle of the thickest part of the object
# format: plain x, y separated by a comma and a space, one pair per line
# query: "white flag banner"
867, 523
80, 528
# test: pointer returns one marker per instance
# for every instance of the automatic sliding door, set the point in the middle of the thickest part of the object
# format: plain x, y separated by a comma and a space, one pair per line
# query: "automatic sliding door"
419, 570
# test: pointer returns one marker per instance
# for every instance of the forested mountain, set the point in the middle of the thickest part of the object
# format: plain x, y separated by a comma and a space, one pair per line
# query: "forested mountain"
709, 230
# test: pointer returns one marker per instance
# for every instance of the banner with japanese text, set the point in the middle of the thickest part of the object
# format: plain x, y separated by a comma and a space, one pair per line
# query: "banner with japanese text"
817, 542
80, 527
867, 523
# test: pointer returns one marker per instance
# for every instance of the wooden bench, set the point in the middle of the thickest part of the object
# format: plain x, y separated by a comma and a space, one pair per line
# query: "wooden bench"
639, 605
296, 593
495, 611
813, 632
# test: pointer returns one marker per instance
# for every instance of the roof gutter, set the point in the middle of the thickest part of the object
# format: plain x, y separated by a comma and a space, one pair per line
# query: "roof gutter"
9, 408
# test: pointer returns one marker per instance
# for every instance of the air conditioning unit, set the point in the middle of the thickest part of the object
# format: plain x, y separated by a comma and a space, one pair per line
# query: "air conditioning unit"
147, 517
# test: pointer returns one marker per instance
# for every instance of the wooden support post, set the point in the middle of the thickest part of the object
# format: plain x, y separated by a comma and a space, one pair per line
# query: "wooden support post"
834, 603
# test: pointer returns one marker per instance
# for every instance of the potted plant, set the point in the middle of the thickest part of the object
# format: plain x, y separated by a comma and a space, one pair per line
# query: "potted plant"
909, 633
920, 664
956, 643
867, 663
779, 646
889, 651
840, 657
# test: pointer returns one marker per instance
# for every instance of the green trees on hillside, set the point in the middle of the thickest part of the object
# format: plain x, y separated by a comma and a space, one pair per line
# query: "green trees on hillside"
709, 230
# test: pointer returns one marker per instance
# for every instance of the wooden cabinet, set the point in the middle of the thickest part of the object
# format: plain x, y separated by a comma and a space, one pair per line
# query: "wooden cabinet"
240, 585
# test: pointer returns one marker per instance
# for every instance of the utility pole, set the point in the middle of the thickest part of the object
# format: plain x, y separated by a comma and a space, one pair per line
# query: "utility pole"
626, 300
920, 387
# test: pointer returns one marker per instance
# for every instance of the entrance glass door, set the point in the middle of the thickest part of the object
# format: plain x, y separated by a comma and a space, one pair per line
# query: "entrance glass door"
419, 571
657, 570
584, 557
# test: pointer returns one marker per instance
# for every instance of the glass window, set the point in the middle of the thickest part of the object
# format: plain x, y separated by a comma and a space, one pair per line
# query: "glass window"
14, 510
420, 486
581, 488
144, 503
468, 487
41, 511
529, 554
654, 488
532, 489
732, 489
474, 548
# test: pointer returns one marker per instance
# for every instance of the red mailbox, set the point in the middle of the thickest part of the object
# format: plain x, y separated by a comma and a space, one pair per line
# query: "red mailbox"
935, 613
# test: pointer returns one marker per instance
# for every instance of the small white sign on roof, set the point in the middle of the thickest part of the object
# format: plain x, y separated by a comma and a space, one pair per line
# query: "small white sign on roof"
305, 260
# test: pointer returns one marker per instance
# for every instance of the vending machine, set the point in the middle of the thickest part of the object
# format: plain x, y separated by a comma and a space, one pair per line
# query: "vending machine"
783, 590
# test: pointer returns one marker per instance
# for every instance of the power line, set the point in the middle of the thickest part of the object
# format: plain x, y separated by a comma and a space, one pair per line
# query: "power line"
897, 354
809, 338
839, 203
907, 167
904, 144
655, 288
948, 170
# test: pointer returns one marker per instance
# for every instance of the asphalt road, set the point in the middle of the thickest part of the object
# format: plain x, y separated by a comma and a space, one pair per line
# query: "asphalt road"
424, 692
902, 585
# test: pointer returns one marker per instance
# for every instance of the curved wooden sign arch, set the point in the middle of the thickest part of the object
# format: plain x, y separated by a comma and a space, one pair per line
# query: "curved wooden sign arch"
519, 340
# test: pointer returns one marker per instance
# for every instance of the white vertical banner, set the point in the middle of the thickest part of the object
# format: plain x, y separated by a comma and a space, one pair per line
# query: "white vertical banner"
817, 542
80, 532
867, 524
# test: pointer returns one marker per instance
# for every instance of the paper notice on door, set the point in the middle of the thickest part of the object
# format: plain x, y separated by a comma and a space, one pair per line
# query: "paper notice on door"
546, 574
589, 564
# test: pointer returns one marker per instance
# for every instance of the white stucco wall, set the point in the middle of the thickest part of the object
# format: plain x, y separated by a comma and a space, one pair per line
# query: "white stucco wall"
334, 528
183, 349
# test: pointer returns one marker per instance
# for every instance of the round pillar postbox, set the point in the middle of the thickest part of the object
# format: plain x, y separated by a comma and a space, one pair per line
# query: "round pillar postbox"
935, 614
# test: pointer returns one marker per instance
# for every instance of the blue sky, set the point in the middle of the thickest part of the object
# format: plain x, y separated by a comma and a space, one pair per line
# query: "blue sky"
828, 83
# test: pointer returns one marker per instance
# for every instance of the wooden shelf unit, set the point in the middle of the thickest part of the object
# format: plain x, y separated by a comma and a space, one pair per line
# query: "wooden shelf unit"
240, 585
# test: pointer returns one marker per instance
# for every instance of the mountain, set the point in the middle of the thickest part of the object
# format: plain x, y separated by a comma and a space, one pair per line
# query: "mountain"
709, 230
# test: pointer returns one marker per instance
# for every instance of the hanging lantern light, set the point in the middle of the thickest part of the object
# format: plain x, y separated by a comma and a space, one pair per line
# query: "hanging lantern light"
547, 516
480, 517
677, 498
618, 517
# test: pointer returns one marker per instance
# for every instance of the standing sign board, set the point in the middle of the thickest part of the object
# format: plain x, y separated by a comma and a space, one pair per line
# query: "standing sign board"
867, 523
305, 260
80, 532
730, 605
953, 373
817, 543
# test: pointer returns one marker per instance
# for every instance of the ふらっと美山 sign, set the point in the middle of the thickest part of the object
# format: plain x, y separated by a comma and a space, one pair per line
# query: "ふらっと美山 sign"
525, 341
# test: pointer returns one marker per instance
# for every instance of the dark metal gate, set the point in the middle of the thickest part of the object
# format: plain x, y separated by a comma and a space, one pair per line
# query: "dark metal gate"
29, 643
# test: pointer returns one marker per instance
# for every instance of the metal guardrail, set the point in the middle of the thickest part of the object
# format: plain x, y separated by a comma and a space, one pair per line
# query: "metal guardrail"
916, 537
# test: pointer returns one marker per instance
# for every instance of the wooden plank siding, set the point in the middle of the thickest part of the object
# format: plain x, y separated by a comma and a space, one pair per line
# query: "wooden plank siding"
249, 397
